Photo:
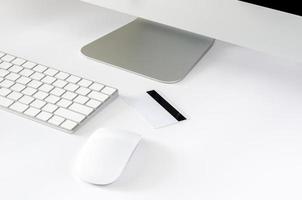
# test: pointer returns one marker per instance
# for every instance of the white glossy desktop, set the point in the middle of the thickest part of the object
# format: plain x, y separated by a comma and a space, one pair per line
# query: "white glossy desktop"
242, 140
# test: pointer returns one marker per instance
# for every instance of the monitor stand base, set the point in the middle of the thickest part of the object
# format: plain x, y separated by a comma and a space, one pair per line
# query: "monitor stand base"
150, 49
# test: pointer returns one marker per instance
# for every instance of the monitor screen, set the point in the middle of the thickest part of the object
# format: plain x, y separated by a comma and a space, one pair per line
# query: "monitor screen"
290, 6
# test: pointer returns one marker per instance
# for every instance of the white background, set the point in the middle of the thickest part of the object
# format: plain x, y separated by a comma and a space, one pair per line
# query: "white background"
242, 140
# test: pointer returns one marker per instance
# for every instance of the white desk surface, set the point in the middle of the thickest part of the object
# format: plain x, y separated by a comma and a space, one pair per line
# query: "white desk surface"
242, 140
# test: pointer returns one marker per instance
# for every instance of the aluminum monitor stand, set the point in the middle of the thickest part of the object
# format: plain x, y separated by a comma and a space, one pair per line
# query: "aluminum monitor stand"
150, 49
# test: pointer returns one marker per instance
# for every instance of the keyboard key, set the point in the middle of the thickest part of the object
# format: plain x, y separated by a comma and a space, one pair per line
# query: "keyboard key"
85, 83
51, 72
19, 107
49, 108
18, 61
69, 95
59, 83
48, 79
26, 99
32, 112
73, 79
4, 91
29, 65
52, 99
2, 54
6, 83
64, 103
46, 88
18, 87
29, 91
3, 72
57, 91
69, 125
41, 95
8, 58
26, 72
12, 76
5, 65
5, 102
83, 91
68, 114
62, 75
98, 96
56, 120
71, 87
93, 103
109, 90
37, 76
23, 80
44, 116
34, 84
40, 68
38, 104
15, 96
81, 99
96, 86
16, 69
85, 110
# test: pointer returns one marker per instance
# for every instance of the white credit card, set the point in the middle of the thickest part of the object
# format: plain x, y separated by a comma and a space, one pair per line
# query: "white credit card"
155, 109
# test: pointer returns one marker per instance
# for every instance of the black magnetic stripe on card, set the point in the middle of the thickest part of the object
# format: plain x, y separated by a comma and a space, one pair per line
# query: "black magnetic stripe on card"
166, 105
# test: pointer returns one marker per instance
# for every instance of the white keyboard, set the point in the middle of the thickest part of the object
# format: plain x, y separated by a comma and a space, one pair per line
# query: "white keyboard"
48, 95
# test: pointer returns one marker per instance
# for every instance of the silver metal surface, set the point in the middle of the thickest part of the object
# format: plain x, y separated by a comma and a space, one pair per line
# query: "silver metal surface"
33, 70
150, 49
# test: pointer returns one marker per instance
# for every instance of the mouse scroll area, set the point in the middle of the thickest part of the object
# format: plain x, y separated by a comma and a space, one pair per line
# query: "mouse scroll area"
105, 155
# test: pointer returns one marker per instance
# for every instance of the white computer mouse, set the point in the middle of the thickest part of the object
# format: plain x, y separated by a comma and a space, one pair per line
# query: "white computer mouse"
105, 155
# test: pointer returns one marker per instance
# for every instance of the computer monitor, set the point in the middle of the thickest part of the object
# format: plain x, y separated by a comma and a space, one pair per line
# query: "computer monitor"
170, 37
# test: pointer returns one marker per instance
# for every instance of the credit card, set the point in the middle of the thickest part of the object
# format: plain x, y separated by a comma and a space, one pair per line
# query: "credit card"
155, 109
